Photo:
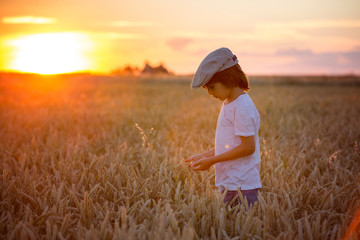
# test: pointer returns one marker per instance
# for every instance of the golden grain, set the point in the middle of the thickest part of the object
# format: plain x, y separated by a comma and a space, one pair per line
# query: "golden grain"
103, 159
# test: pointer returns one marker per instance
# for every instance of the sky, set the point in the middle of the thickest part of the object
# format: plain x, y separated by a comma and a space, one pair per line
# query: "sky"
267, 36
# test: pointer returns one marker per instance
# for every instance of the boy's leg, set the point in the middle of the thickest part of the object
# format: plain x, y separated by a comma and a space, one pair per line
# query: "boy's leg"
233, 198
250, 195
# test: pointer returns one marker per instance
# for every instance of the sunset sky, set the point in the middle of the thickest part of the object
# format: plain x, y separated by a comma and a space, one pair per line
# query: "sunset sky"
268, 36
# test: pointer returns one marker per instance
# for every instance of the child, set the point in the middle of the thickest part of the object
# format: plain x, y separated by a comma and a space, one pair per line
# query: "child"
237, 151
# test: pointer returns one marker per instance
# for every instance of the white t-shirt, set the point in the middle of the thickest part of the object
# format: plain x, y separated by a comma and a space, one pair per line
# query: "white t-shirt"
237, 118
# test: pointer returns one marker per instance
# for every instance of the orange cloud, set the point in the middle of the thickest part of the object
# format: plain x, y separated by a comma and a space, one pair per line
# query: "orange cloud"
28, 20
309, 24
112, 35
131, 24
179, 43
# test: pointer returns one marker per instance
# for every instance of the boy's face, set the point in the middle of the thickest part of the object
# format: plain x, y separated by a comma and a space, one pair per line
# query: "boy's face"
218, 90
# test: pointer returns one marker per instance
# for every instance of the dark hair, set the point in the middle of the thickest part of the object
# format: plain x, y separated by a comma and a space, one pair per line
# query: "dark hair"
231, 77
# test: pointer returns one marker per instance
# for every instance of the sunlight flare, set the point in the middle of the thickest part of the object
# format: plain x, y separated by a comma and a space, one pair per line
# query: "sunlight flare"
51, 53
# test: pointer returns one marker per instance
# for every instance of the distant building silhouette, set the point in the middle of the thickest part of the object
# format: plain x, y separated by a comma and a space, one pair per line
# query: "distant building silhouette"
128, 70
154, 70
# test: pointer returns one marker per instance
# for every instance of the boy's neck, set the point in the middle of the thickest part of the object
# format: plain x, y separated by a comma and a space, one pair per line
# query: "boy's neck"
234, 94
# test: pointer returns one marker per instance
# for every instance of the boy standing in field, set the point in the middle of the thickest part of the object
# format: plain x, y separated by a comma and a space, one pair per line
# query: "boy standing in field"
237, 151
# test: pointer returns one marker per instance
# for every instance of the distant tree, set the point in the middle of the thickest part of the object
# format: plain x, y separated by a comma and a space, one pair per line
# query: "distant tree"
128, 70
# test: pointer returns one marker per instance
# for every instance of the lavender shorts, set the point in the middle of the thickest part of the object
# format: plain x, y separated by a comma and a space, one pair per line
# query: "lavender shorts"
233, 198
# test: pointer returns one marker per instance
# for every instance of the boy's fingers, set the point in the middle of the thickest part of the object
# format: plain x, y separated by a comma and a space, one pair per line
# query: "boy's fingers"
197, 168
194, 164
190, 159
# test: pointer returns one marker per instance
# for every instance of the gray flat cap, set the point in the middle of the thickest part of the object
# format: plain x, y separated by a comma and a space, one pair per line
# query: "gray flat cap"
214, 62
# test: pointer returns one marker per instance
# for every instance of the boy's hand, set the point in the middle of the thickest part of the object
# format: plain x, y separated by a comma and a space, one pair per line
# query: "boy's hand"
201, 164
202, 161
194, 158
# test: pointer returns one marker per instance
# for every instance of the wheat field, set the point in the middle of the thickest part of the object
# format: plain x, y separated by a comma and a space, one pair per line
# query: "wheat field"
102, 158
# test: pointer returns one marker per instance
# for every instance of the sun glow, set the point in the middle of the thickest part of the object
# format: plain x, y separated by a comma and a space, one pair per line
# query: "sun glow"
51, 53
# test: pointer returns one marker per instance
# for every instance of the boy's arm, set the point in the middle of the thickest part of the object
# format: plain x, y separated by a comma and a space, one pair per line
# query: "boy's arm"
207, 154
247, 147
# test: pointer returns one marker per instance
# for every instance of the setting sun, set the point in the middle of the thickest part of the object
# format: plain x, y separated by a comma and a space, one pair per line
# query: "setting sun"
51, 53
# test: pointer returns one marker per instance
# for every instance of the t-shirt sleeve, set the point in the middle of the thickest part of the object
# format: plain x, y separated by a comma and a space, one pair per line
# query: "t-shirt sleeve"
244, 125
